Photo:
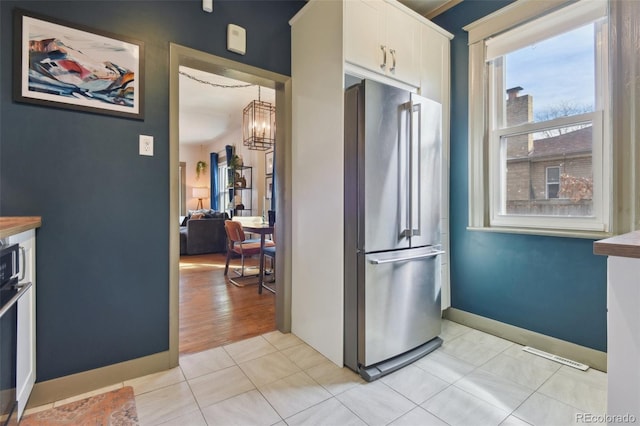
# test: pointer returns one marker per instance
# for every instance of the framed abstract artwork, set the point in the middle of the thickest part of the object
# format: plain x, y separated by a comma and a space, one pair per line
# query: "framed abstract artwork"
65, 65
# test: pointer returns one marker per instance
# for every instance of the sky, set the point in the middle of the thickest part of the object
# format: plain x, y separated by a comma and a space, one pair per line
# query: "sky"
560, 69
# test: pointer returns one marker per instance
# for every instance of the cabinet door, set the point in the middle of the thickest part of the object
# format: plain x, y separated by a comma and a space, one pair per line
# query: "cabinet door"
403, 41
26, 355
363, 34
26, 362
435, 65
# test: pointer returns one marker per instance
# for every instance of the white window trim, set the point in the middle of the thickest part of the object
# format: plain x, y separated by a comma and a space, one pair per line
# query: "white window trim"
508, 17
481, 172
625, 99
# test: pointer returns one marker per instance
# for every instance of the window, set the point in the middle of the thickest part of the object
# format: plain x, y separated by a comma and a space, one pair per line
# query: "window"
539, 143
222, 192
553, 182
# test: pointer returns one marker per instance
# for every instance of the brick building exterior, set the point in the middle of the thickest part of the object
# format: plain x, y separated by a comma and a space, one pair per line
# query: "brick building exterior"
548, 175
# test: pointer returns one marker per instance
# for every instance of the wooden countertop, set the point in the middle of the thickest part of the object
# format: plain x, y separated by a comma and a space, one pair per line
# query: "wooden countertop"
625, 245
14, 225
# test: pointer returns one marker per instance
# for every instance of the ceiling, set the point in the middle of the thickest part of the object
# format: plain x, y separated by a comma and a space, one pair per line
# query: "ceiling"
429, 8
208, 112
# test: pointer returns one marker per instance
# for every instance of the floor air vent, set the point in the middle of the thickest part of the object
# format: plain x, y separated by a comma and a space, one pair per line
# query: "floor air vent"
556, 358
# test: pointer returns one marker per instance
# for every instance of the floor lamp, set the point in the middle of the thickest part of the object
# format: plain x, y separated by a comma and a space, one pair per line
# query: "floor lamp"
200, 193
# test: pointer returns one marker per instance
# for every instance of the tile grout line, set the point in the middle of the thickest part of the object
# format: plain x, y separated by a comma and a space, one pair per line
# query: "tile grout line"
304, 371
513, 413
193, 395
479, 368
433, 396
290, 375
237, 365
403, 396
579, 410
257, 388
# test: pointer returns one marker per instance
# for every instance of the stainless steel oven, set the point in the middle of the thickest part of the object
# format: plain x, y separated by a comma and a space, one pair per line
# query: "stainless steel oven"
10, 292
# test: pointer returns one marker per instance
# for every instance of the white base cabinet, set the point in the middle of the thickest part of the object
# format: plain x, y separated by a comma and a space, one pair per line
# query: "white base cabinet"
623, 340
26, 339
623, 327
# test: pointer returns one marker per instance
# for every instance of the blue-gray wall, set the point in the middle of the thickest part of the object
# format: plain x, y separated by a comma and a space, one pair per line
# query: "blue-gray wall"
550, 285
103, 248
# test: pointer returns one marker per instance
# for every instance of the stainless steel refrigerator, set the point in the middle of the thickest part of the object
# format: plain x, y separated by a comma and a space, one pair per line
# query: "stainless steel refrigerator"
392, 228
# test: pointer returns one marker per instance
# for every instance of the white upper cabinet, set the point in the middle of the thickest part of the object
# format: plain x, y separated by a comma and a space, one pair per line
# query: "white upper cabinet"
434, 78
403, 40
364, 33
383, 38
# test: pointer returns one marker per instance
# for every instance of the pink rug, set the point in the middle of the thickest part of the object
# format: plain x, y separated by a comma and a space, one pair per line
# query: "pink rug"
115, 408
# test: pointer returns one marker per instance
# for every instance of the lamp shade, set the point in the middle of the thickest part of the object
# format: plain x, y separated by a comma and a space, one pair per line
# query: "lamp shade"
200, 192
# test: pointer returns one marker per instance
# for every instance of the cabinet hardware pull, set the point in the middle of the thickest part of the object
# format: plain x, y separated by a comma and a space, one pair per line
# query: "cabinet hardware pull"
393, 56
383, 65
24, 263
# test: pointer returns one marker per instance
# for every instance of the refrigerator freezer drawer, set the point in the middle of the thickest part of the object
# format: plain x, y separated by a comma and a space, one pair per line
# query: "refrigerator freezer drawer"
400, 295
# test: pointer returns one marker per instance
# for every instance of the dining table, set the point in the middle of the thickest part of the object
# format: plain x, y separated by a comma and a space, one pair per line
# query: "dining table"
263, 229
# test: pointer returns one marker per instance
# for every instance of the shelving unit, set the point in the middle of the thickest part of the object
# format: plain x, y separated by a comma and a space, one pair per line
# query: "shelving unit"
241, 191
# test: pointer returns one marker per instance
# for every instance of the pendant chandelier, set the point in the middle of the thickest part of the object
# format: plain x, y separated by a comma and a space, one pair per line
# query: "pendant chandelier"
259, 125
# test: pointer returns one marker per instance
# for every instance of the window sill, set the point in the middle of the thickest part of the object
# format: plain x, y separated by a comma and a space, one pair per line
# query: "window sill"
592, 235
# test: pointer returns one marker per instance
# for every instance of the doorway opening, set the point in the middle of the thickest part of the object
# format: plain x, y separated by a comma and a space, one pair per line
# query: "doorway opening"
185, 57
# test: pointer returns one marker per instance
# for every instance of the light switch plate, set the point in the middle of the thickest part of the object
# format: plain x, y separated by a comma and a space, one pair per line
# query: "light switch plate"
146, 145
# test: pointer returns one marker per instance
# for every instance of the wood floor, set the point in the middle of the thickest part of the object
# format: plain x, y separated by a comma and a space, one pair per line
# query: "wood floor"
214, 312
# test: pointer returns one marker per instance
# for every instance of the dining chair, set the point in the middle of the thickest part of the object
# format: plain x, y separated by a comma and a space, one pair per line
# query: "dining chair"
270, 251
238, 244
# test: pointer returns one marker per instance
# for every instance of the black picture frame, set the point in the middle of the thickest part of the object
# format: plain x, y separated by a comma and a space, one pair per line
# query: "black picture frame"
64, 65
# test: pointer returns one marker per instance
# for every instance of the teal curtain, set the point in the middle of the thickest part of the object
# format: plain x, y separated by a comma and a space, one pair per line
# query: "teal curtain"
275, 183
215, 182
229, 152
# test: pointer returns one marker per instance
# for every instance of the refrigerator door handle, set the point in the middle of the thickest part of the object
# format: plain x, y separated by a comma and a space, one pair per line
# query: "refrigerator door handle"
410, 168
414, 169
375, 261
405, 157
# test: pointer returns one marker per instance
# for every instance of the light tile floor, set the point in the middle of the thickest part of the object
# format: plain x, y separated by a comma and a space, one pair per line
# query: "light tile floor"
276, 379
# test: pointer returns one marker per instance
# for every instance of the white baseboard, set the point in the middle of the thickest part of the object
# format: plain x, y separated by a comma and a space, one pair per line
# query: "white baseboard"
593, 358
